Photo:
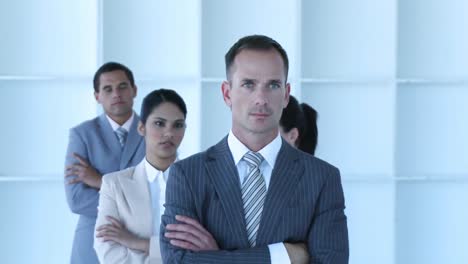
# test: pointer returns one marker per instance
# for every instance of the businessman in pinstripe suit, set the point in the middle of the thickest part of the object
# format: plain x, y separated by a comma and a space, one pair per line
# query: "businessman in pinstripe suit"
251, 196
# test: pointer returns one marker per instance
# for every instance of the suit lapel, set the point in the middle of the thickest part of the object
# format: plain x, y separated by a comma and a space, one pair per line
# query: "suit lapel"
107, 135
136, 190
285, 176
133, 141
223, 174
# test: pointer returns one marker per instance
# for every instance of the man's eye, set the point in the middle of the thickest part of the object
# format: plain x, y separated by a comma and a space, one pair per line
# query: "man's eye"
248, 85
275, 86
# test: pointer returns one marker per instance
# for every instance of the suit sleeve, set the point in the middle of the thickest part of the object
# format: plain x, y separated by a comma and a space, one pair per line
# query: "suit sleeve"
328, 236
109, 251
180, 201
81, 198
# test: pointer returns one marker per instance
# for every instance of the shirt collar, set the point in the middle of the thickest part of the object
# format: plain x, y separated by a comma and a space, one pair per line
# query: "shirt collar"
125, 125
152, 173
269, 152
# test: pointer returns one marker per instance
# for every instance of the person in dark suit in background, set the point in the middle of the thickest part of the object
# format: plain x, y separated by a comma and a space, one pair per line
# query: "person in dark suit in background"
246, 198
107, 143
298, 125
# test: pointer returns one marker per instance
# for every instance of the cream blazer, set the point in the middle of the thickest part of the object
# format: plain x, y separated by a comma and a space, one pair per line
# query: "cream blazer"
125, 195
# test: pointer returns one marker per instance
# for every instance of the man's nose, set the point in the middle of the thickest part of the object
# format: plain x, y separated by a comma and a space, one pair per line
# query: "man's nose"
261, 97
116, 92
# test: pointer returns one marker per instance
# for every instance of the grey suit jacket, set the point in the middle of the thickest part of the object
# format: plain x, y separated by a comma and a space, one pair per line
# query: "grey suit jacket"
304, 203
95, 141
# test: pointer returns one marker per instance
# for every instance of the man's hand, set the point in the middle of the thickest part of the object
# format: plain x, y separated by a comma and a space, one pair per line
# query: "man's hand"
298, 253
116, 232
190, 235
83, 172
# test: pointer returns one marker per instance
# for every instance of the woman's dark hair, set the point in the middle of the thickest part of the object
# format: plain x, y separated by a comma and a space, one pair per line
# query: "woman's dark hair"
157, 97
304, 118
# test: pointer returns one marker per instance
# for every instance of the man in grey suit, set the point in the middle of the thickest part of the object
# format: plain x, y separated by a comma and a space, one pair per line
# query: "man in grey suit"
247, 198
107, 143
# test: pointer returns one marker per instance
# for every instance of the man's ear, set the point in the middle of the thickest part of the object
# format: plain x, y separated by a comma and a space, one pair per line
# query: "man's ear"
135, 89
96, 96
226, 90
141, 128
286, 95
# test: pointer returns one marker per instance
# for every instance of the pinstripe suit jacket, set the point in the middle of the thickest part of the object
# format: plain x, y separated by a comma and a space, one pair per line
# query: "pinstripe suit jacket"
96, 142
304, 203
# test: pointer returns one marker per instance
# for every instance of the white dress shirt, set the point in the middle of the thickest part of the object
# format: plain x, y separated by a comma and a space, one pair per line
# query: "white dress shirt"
125, 125
157, 184
278, 253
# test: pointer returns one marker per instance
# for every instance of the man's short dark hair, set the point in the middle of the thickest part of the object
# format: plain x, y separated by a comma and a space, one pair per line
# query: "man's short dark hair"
255, 42
109, 67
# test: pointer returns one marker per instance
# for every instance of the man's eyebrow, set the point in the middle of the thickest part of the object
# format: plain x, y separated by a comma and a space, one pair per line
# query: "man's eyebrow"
275, 81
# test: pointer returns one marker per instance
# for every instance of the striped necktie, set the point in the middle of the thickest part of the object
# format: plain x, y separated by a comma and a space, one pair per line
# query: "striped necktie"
121, 135
253, 195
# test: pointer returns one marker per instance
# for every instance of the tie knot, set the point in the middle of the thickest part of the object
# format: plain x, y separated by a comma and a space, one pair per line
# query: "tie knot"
122, 135
253, 158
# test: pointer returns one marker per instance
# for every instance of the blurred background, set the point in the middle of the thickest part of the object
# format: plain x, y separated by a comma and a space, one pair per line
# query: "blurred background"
389, 79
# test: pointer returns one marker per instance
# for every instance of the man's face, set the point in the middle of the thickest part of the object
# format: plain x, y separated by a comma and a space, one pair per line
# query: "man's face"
115, 94
256, 92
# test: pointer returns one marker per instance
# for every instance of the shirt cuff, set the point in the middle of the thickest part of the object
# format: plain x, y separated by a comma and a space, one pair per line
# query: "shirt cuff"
278, 254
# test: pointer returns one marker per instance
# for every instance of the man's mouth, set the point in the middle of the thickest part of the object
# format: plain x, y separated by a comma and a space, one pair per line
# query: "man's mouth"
260, 114
166, 144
